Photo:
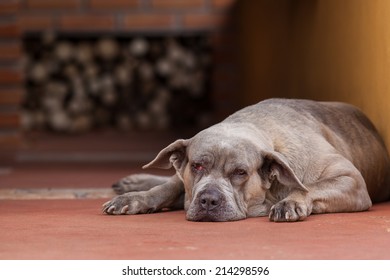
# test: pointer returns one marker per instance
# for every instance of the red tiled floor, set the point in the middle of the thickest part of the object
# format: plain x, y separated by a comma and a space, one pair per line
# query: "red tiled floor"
75, 229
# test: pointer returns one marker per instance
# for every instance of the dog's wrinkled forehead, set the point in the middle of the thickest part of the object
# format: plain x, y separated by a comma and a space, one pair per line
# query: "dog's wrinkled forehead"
224, 143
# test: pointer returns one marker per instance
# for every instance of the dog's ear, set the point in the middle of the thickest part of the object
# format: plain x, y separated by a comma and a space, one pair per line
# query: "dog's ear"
173, 155
276, 167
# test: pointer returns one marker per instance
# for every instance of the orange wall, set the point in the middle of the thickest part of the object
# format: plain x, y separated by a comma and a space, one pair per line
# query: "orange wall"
319, 49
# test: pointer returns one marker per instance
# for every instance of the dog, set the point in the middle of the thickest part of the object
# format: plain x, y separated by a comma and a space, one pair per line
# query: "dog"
281, 158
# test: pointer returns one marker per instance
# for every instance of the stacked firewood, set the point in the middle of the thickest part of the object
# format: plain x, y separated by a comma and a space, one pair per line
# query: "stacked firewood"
82, 83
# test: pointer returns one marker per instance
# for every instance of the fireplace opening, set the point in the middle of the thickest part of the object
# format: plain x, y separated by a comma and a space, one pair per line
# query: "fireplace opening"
77, 83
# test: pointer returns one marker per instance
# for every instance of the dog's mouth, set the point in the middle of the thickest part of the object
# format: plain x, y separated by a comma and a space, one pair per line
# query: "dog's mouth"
205, 218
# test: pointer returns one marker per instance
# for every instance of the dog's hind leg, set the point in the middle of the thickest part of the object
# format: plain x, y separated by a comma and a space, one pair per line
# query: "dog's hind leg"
138, 182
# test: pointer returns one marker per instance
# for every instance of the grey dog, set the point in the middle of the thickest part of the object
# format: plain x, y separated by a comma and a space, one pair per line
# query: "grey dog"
281, 158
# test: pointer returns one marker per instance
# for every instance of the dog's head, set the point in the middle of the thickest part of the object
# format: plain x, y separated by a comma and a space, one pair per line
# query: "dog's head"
227, 171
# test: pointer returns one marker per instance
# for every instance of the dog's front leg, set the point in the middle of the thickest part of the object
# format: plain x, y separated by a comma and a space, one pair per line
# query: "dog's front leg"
340, 188
167, 195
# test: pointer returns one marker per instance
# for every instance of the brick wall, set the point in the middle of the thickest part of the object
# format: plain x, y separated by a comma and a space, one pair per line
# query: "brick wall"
20, 16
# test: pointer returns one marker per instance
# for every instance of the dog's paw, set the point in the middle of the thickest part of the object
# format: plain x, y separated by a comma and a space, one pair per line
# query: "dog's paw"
288, 211
128, 204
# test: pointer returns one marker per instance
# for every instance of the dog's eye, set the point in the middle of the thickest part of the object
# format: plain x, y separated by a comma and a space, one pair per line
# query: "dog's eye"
239, 172
197, 167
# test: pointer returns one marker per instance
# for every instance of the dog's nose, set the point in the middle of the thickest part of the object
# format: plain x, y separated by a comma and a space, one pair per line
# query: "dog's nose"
210, 199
